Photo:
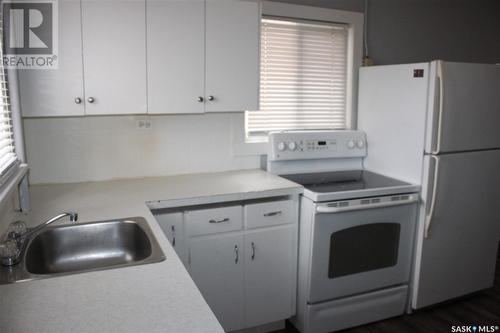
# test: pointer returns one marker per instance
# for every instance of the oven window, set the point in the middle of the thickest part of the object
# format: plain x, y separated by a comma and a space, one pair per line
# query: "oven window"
363, 248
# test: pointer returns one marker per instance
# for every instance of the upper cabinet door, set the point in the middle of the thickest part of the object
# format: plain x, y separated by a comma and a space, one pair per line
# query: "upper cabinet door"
114, 53
176, 56
232, 55
54, 92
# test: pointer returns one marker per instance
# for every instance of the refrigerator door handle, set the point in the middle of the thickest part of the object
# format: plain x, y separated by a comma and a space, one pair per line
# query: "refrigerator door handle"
437, 150
430, 215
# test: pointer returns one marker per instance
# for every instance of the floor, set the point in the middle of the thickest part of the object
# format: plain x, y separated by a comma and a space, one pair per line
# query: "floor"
479, 309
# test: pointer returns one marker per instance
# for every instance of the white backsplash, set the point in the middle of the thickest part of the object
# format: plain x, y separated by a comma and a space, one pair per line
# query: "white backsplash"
67, 150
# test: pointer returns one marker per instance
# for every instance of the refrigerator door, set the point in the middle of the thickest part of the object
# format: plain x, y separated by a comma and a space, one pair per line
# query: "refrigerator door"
464, 108
458, 254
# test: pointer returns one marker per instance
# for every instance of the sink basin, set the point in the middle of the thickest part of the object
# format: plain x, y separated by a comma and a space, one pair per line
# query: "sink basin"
76, 248
87, 247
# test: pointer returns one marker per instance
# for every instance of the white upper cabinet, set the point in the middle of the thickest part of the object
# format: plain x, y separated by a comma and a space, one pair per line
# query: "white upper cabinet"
114, 54
203, 55
55, 92
232, 55
176, 56
149, 56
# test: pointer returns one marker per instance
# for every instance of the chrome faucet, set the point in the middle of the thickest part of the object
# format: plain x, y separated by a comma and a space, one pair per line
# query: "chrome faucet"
14, 242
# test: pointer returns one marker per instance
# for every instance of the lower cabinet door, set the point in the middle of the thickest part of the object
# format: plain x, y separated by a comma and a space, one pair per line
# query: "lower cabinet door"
216, 266
172, 226
270, 274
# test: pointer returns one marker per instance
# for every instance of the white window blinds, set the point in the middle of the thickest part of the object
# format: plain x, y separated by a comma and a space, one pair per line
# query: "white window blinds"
303, 77
7, 152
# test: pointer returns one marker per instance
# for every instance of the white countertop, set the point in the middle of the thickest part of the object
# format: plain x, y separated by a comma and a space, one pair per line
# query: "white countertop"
159, 297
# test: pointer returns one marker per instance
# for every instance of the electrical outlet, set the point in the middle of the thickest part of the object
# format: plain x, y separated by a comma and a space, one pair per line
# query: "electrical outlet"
144, 124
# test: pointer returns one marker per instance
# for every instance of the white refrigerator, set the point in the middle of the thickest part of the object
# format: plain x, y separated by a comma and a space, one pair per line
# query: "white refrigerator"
437, 124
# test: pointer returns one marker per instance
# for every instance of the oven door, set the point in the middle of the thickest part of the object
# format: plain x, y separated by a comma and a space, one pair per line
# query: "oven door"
361, 247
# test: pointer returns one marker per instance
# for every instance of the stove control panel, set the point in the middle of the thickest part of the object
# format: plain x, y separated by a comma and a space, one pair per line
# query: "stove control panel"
302, 145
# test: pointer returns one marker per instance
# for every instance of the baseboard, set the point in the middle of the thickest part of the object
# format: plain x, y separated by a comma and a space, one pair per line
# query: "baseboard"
266, 328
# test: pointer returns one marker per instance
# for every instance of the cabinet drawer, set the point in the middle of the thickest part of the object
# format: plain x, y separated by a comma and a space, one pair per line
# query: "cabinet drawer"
270, 213
214, 220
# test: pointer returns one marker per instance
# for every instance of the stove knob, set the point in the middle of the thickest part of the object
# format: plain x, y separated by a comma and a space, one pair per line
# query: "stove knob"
281, 146
292, 146
351, 144
360, 144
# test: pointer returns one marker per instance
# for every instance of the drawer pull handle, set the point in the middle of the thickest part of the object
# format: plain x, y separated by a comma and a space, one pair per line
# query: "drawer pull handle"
237, 255
253, 250
224, 220
173, 236
273, 213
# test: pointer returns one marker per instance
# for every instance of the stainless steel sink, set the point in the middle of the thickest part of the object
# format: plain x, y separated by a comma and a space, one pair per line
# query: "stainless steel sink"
84, 247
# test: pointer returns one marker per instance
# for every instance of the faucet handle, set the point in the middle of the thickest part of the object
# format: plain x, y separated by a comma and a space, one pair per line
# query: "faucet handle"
16, 229
9, 252
8, 248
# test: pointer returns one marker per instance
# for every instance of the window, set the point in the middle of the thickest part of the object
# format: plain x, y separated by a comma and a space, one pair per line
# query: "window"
7, 152
303, 77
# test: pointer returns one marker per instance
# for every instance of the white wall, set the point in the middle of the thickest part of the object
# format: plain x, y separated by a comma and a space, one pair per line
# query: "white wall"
110, 147
422, 30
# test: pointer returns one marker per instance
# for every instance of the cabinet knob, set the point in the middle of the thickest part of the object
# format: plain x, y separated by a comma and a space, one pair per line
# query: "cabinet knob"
78, 100
91, 99
211, 98
200, 99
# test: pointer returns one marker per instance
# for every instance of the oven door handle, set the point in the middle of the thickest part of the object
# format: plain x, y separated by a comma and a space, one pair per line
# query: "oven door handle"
325, 209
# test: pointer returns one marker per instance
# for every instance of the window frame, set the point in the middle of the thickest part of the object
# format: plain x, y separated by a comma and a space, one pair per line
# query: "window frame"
354, 21
13, 179
11, 168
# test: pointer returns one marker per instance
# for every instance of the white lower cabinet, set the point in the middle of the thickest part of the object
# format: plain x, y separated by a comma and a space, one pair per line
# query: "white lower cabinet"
243, 258
172, 226
216, 266
270, 270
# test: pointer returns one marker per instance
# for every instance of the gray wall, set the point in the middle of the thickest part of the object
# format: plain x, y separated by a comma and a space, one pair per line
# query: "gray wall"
404, 31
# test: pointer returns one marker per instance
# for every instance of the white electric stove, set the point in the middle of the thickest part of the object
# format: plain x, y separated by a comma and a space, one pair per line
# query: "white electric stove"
356, 230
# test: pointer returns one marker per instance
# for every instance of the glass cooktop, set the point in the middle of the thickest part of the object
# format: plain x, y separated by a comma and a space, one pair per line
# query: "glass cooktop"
339, 181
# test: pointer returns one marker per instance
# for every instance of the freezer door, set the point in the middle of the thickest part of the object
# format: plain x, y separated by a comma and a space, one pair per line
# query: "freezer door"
458, 254
465, 108
392, 112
